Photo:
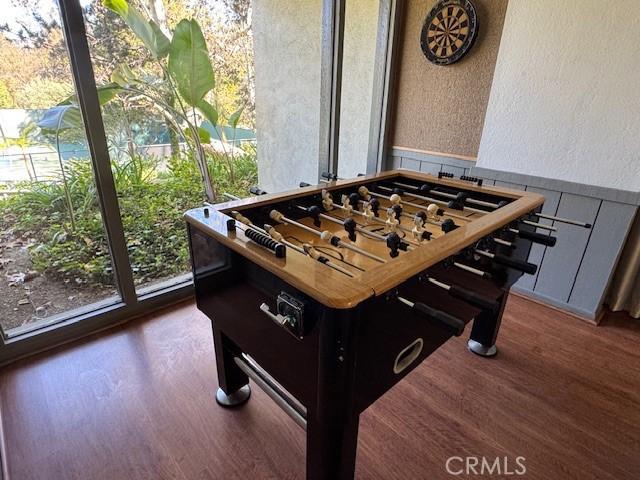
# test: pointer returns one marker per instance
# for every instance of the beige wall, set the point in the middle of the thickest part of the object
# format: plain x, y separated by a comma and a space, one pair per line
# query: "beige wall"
565, 102
361, 25
287, 45
442, 108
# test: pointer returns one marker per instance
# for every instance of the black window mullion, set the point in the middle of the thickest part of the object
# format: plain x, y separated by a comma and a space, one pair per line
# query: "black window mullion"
333, 12
86, 89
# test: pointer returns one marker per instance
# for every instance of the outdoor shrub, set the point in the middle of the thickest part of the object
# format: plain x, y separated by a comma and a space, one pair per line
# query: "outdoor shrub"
152, 197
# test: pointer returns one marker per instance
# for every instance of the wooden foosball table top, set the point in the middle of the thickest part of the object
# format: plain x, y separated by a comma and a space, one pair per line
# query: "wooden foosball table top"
370, 277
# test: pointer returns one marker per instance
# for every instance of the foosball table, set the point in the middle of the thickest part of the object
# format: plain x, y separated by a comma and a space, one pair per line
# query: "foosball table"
329, 295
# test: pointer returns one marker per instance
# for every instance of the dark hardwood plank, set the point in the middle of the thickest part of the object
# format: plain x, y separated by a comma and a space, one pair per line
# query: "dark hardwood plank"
138, 403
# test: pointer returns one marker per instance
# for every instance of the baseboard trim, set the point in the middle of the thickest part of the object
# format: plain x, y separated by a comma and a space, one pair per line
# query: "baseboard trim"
562, 309
406, 151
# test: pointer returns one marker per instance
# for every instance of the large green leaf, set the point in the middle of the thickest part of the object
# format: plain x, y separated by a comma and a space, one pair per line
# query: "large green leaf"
209, 112
67, 113
235, 118
106, 93
61, 117
124, 76
147, 31
203, 135
118, 6
189, 63
161, 41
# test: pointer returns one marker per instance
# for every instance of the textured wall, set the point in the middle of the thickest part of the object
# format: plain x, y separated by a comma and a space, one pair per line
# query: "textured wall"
361, 24
442, 108
565, 101
287, 45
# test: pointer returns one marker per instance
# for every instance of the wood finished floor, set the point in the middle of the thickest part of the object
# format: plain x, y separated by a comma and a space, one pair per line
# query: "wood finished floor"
137, 403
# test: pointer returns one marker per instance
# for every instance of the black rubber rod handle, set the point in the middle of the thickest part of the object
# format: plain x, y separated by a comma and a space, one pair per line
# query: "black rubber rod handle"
451, 323
540, 238
474, 298
521, 265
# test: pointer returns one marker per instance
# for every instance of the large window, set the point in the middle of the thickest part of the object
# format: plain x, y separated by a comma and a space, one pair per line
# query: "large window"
54, 255
264, 118
184, 102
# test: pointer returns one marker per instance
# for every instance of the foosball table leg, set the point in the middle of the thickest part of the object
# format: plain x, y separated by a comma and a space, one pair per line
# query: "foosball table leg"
484, 332
233, 383
331, 448
332, 421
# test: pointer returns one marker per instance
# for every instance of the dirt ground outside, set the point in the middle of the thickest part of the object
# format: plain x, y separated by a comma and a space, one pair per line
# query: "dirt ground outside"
27, 296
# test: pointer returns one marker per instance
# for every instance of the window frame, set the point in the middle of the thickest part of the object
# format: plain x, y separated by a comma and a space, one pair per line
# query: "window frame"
106, 314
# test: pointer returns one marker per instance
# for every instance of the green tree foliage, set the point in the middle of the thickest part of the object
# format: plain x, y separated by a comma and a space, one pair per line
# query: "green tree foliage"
152, 201
41, 93
6, 99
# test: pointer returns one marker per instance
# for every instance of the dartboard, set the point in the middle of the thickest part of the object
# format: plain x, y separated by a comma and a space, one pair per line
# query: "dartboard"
449, 31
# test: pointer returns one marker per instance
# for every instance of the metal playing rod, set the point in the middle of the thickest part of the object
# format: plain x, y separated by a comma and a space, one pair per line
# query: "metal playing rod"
376, 219
395, 199
495, 205
315, 254
452, 196
563, 220
273, 233
475, 271
325, 235
359, 228
503, 242
465, 294
449, 322
439, 201
307, 249
520, 265
230, 196
539, 225
534, 237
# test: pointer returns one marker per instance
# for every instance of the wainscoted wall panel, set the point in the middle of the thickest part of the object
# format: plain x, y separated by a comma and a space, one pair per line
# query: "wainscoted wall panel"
573, 275
562, 262
457, 171
515, 186
601, 252
432, 168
